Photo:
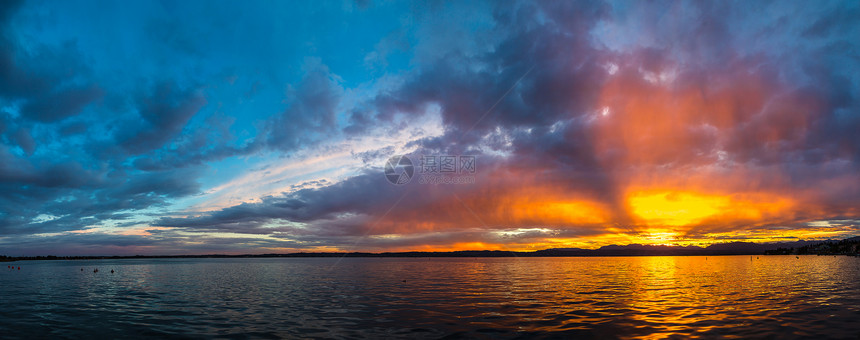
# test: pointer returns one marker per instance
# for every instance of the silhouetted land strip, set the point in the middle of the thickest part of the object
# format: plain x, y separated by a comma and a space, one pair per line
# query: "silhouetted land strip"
849, 246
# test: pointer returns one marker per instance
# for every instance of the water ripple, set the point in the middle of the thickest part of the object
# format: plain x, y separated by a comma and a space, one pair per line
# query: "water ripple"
607, 298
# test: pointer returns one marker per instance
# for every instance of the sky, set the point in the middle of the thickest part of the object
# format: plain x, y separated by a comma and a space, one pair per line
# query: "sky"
235, 127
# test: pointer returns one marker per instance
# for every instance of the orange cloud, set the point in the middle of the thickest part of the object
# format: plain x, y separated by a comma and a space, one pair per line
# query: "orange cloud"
527, 204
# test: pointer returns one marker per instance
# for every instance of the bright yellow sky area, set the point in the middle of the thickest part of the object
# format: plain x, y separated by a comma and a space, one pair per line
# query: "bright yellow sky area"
686, 208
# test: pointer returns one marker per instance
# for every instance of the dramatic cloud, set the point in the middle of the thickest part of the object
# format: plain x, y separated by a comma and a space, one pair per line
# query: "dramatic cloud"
252, 128
164, 114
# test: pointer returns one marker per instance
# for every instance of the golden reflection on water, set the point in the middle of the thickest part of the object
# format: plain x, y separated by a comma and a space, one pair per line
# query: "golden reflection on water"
662, 296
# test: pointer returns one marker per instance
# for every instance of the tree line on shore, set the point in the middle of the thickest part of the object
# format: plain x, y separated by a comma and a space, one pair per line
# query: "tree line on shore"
850, 246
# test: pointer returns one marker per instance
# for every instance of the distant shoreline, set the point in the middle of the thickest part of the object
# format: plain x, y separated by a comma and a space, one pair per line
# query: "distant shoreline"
850, 247
337, 255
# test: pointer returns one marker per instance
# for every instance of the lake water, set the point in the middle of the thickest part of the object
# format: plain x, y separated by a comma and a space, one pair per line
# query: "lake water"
609, 297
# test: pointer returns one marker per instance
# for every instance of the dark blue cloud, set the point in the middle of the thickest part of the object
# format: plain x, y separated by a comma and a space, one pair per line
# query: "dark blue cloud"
311, 113
164, 112
62, 104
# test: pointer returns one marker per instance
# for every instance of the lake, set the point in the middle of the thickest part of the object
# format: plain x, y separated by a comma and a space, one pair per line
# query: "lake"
572, 297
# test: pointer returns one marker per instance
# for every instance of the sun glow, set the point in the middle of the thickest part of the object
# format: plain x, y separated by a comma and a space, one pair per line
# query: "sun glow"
660, 236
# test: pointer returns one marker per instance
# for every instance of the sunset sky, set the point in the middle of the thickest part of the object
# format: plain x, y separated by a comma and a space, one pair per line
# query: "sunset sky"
196, 127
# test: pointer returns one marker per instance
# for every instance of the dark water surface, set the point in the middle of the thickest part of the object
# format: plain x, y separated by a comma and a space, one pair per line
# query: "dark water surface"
615, 297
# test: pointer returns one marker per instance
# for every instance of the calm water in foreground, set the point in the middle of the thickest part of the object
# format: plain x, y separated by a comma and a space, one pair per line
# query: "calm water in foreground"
617, 297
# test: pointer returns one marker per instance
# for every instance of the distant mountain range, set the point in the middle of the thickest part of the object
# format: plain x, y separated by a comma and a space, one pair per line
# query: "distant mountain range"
731, 248
850, 246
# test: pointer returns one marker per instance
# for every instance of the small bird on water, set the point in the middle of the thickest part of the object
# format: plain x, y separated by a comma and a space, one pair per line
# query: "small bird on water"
95, 270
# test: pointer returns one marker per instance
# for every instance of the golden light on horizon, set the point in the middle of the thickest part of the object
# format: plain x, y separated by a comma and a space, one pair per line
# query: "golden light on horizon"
661, 236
